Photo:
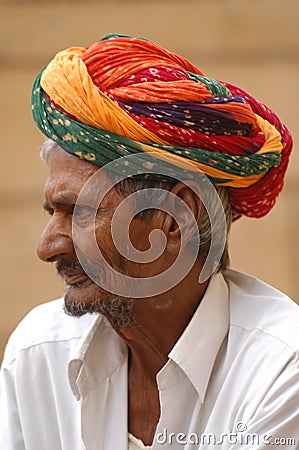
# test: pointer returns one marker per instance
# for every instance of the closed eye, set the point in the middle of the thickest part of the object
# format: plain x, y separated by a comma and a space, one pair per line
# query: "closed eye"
48, 209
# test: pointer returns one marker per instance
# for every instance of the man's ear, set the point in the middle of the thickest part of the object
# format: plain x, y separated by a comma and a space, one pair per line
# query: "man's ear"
181, 222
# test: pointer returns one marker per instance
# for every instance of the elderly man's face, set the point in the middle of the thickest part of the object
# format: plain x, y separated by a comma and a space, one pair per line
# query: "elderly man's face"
67, 176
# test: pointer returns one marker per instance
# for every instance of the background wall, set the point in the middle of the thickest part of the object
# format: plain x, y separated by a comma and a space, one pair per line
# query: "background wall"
254, 44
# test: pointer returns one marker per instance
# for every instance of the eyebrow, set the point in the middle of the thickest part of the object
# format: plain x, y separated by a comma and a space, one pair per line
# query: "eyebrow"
61, 199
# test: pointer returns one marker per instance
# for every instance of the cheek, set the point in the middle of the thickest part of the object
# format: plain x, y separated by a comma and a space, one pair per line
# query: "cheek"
103, 236
93, 239
106, 245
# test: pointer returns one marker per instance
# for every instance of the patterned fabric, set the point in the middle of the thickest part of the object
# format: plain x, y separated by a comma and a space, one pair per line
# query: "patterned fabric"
126, 95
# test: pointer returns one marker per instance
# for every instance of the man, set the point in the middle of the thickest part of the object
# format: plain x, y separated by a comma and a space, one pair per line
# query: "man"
179, 351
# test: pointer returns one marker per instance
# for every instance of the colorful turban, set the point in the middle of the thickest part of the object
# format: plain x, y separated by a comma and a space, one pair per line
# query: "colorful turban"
125, 95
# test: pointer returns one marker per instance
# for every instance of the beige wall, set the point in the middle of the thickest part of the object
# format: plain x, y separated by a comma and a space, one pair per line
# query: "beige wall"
254, 44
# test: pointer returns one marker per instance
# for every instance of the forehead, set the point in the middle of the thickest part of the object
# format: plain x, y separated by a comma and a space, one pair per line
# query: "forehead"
68, 174
68, 170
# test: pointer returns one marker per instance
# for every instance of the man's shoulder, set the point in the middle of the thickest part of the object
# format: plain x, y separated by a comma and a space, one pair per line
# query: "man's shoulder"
258, 307
46, 323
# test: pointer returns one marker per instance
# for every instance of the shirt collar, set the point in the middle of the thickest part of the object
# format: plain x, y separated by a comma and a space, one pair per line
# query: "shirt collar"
196, 350
100, 352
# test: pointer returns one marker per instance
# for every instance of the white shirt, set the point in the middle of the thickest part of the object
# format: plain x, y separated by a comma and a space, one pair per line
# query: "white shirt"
235, 368
136, 444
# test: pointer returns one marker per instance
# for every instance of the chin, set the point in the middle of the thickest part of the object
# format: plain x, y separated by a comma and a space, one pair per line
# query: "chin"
80, 300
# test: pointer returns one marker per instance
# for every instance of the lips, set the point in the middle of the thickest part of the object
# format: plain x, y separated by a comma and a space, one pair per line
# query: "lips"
75, 279
72, 273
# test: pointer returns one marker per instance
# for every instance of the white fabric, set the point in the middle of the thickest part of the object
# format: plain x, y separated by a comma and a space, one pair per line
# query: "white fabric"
64, 380
136, 444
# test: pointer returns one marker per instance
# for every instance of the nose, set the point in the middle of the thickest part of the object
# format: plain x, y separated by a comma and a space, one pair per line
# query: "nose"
55, 241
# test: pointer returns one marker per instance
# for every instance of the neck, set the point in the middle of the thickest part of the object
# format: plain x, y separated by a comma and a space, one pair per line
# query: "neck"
158, 324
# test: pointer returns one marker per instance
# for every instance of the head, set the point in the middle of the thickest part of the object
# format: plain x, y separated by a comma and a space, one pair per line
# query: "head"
67, 176
99, 104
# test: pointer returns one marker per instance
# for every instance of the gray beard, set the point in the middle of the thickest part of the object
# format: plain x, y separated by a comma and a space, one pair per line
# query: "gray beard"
119, 311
